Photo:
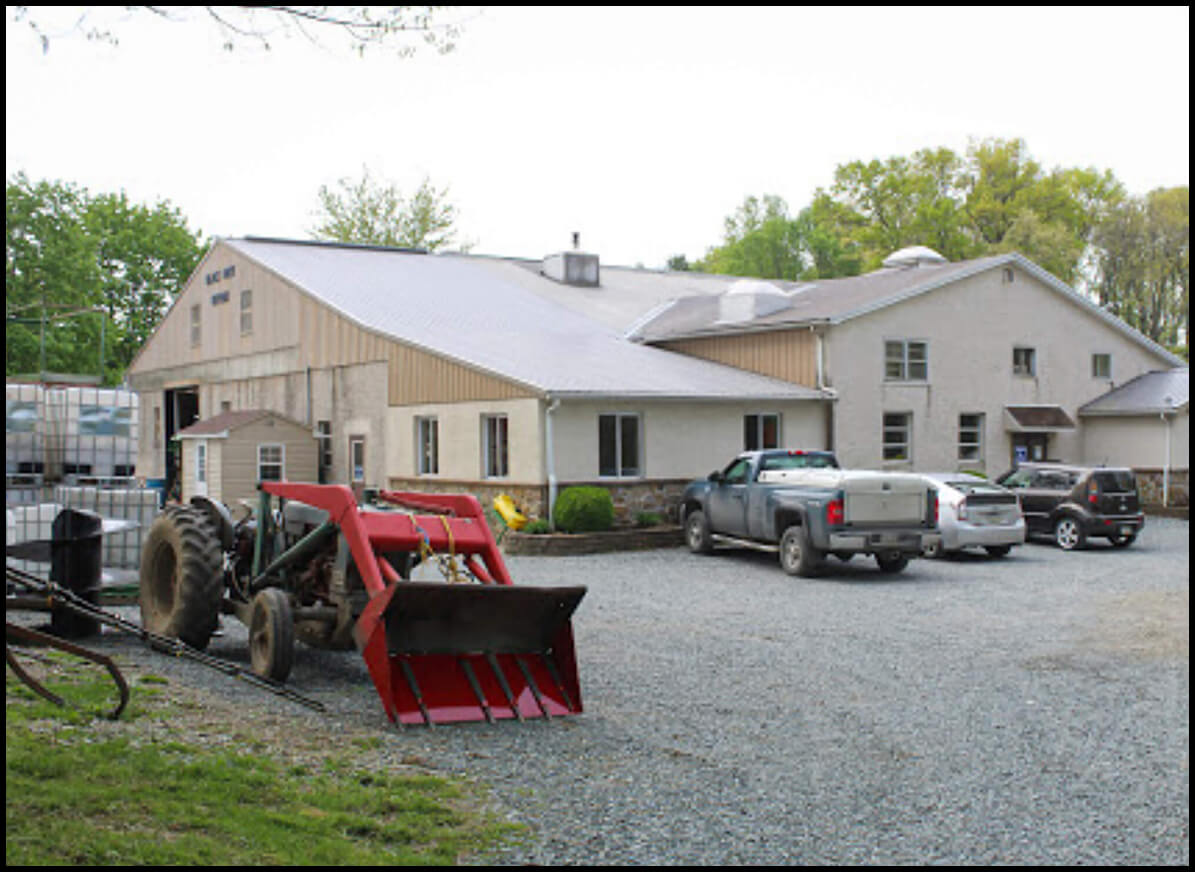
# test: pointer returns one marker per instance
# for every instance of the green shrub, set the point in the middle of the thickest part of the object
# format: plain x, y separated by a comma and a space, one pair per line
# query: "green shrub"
584, 510
537, 527
648, 519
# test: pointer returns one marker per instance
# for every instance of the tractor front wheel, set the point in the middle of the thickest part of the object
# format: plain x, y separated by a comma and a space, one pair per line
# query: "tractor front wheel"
181, 579
271, 635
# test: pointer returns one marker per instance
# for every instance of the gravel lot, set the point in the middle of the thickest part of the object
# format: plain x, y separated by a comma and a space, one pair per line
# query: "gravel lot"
1031, 710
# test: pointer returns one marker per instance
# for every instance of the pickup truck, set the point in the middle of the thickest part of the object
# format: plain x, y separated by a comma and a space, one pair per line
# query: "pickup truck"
803, 505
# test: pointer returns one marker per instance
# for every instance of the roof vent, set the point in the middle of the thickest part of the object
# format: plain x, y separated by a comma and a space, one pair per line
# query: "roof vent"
914, 255
574, 267
748, 299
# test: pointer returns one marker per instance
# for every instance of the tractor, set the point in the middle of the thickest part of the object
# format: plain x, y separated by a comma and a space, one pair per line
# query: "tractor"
313, 565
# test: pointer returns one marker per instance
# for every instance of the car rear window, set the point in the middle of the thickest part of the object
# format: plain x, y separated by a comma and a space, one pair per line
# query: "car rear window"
1115, 480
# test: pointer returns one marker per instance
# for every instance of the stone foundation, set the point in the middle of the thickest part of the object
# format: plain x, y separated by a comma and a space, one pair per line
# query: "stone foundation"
1150, 485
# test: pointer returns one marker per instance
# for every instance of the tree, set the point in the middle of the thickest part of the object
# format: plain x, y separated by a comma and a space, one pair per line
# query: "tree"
361, 27
369, 212
1143, 266
761, 240
87, 267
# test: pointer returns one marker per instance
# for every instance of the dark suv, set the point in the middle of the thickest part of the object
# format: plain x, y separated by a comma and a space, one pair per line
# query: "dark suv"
1074, 503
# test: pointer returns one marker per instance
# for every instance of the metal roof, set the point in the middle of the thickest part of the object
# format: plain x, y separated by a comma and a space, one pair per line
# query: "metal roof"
1151, 393
499, 317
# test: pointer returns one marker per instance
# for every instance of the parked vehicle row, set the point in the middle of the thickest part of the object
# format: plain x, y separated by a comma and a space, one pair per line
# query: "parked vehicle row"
805, 507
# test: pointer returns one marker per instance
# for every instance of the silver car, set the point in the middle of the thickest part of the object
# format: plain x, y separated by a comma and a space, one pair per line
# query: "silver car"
975, 513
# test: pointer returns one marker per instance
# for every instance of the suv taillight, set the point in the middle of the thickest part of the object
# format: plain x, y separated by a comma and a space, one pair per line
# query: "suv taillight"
835, 513
1093, 492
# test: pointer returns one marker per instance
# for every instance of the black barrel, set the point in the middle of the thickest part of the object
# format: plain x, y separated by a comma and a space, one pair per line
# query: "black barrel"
76, 563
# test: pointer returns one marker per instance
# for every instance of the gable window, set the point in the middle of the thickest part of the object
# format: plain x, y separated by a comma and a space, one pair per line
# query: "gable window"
898, 434
619, 446
271, 462
970, 437
1101, 366
427, 444
246, 312
906, 360
495, 456
1024, 361
196, 315
761, 431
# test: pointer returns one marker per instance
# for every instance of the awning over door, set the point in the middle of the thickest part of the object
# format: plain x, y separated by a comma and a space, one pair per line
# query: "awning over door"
1037, 419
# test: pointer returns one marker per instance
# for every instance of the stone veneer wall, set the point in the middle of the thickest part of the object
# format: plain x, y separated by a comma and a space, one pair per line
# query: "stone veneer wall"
630, 498
1149, 483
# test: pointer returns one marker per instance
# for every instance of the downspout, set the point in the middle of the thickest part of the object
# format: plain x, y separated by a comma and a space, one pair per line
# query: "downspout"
1166, 421
550, 455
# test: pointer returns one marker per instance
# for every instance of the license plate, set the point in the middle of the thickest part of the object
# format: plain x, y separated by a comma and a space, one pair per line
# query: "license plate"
1126, 531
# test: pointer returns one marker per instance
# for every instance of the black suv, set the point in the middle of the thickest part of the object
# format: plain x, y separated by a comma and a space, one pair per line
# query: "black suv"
1074, 503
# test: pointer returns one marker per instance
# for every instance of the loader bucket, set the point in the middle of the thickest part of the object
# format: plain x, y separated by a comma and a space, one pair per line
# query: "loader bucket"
441, 653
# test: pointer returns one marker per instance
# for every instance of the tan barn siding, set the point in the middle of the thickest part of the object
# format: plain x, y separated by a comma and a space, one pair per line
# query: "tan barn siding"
239, 456
790, 355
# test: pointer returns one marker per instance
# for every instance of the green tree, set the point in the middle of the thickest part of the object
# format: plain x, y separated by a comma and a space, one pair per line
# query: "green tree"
761, 240
86, 277
370, 212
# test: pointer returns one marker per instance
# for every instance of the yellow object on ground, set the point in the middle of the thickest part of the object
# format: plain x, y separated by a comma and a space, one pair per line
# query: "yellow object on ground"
511, 516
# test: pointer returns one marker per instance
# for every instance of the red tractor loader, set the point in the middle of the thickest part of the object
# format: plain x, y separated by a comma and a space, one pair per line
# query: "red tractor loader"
319, 568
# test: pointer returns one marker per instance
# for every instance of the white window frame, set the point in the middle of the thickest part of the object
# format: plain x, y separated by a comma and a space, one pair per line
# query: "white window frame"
246, 312
897, 423
1024, 361
357, 459
759, 420
427, 445
621, 469
495, 446
970, 450
201, 466
280, 462
904, 360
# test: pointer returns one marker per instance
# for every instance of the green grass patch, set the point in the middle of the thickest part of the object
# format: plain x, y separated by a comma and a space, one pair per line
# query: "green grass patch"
80, 795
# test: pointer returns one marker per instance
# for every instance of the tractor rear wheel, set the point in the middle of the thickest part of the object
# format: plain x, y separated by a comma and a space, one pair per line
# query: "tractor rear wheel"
181, 577
272, 635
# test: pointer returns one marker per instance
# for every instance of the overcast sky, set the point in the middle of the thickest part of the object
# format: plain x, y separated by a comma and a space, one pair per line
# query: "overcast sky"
639, 128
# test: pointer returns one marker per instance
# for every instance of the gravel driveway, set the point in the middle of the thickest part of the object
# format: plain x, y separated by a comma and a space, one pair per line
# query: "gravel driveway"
1031, 710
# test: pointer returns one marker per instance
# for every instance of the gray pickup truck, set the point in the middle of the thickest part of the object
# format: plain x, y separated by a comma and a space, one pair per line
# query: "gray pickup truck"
801, 504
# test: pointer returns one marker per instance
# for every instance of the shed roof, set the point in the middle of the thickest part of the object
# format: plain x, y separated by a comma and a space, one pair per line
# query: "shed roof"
220, 426
499, 316
1148, 394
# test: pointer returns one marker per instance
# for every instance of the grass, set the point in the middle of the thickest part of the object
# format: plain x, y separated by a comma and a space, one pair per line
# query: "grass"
80, 790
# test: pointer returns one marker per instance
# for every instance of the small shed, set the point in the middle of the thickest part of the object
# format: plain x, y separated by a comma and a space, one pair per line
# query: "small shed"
225, 457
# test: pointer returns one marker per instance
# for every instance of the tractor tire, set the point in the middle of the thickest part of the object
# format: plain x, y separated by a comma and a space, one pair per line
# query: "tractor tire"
272, 635
182, 581
797, 556
697, 533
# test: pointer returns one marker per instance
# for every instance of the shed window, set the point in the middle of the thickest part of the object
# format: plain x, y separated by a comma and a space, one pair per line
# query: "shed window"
201, 463
271, 462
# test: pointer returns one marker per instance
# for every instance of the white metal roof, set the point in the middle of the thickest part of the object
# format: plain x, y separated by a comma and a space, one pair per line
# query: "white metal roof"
473, 311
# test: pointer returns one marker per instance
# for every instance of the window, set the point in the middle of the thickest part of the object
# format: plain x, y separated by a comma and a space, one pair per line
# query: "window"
201, 463
271, 463
618, 446
761, 431
323, 435
357, 459
495, 457
898, 427
906, 361
970, 437
427, 444
1101, 366
196, 315
1024, 361
246, 312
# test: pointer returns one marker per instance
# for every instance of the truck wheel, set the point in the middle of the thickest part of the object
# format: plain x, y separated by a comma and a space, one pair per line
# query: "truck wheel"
181, 579
892, 562
1068, 534
697, 533
271, 635
797, 556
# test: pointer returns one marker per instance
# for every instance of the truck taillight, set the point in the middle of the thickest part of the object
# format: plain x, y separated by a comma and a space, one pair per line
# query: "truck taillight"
962, 509
835, 513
